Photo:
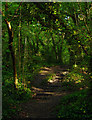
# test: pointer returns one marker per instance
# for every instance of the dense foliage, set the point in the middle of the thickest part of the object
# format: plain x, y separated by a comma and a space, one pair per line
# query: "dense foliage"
75, 106
41, 34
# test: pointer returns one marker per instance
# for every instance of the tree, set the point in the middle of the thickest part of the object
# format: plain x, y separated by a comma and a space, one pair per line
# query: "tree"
57, 34
11, 36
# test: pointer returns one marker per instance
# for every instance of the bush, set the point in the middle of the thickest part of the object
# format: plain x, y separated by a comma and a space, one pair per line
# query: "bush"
11, 99
75, 106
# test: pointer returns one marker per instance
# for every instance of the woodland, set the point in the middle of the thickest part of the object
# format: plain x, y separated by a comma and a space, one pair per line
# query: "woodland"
47, 60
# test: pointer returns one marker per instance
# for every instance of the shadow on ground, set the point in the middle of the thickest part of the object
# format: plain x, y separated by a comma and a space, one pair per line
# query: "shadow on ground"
46, 96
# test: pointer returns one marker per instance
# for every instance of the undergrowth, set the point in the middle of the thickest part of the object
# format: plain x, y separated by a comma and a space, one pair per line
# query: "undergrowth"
75, 106
11, 99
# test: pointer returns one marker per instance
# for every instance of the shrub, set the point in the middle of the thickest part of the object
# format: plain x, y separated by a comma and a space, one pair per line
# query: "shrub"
75, 106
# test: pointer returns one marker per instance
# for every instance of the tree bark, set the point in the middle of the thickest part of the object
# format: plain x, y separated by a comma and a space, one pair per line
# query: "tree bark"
10, 32
60, 48
24, 63
54, 47
20, 47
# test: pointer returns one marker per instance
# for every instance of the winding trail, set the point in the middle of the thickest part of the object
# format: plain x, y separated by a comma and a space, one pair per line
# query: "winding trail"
47, 94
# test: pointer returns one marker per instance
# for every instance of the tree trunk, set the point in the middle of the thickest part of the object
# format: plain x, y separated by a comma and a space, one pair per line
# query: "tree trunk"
19, 47
59, 54
24, 62
54, 47
60, 48
10, 32
72, 58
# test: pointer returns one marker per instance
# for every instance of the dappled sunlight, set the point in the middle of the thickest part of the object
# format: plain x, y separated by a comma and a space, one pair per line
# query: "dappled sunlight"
54, 73
43, 72
53, 69
74, 77
60, 93
81, 88
37, 89
54, 79
58, 77
47, 54
46, 68
65, 72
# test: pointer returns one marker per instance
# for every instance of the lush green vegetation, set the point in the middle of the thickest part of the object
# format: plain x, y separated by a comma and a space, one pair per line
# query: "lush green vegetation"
33, 37
75, 106
78, 104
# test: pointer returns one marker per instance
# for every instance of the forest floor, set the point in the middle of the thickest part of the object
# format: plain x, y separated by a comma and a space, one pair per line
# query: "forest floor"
48, 93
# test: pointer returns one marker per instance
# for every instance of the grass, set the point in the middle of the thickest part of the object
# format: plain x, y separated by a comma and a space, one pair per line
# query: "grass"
75, 106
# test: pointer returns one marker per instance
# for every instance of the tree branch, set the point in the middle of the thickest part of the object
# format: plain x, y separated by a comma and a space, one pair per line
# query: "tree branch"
16, 11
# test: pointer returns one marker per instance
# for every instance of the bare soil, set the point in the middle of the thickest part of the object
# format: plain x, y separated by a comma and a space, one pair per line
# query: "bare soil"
47, 95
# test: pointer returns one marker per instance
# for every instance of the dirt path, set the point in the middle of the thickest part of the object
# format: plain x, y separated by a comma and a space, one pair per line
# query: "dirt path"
47, 94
